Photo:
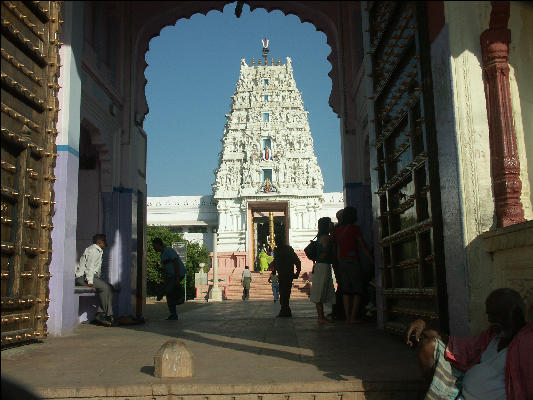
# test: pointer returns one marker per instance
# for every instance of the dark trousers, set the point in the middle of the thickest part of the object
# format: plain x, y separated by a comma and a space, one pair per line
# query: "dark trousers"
104, 292
285, 286
245, 293
275, 291
173, 291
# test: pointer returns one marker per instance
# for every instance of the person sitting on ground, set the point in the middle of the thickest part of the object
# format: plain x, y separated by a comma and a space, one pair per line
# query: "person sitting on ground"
175, 272
88, 273
246, 280
322, 290
285, 259
347, 237
273, 280
496, 364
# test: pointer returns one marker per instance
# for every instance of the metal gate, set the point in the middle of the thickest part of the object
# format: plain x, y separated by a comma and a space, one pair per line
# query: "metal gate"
30, 58
414, 283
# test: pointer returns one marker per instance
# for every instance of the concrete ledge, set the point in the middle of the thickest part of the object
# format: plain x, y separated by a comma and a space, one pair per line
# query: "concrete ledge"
510, 237
94, 391
385, 389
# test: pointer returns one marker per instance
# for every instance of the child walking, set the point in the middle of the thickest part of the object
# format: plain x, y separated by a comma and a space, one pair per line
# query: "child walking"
273, 279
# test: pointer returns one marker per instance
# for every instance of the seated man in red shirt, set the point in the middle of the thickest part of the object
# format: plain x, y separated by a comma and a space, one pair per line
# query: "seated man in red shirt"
496, 364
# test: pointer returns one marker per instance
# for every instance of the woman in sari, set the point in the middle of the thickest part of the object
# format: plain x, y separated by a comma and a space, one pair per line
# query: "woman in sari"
322, 290
264, 260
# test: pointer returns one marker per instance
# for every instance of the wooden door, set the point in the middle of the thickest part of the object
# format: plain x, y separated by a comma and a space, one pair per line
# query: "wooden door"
414, 284
30, 47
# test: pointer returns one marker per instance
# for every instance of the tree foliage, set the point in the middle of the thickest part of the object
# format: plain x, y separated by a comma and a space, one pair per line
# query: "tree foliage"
196, 254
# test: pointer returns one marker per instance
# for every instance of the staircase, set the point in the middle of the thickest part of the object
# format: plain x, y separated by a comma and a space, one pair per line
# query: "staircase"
261, 289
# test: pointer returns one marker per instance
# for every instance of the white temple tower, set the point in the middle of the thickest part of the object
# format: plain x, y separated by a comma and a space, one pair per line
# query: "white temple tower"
268, 178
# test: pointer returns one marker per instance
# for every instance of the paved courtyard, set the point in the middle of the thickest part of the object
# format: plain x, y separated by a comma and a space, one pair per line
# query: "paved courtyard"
234, 343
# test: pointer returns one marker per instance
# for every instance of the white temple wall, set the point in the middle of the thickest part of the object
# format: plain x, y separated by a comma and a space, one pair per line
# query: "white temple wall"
187, 211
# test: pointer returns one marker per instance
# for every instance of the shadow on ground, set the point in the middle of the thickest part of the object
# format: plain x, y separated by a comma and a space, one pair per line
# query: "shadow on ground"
260, 341
233, 342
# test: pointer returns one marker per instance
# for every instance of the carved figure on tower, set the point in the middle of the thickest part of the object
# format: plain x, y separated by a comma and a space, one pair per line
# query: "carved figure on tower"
267, 153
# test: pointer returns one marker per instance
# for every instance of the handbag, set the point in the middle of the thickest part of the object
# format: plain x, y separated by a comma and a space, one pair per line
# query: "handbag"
182, 269
180, 294
311, 250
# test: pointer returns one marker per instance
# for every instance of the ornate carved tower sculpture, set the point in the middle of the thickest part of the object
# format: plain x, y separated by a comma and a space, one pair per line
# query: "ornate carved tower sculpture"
267, 153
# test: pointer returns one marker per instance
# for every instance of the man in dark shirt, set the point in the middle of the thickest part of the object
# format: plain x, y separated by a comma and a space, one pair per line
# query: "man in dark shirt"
284, 261
175, 272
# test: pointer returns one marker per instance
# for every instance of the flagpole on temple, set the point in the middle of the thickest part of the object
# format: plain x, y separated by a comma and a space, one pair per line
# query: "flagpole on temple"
265, 49
271, 226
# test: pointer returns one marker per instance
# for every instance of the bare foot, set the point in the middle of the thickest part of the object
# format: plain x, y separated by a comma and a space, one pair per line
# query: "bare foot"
324, 321
355, 321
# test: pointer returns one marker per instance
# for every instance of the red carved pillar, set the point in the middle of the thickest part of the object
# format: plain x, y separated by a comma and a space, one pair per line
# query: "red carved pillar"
505, 164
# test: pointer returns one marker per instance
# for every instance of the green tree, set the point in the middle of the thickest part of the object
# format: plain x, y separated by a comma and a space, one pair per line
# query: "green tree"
196, 254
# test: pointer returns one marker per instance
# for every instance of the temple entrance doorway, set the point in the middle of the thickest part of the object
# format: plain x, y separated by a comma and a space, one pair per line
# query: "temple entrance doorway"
266, 227
266, 221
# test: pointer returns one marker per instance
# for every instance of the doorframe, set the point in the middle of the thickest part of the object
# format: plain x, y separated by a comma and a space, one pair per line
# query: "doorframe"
254, 206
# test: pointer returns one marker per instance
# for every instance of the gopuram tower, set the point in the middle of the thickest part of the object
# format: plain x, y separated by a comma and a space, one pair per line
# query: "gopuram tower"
268, 181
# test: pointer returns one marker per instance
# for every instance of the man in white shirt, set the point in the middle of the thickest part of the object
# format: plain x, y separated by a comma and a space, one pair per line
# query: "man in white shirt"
246, 280
88, 273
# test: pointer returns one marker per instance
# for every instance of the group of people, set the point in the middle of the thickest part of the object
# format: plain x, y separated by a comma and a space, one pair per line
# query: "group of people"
496, 364
89, 273
337, 248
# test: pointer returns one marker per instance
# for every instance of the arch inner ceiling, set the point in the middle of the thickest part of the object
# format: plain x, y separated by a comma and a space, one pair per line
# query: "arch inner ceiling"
318, 16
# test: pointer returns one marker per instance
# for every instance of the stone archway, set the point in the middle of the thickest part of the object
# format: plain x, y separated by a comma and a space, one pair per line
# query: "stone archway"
322, 17
167, 14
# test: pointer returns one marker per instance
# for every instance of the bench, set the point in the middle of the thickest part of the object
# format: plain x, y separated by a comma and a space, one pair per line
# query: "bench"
86, 303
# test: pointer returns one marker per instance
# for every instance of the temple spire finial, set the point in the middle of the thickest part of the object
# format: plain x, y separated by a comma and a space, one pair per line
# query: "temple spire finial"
265, 49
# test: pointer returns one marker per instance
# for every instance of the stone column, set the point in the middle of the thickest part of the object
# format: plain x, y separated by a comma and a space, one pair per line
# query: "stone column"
222, 214
505, 164
292, 218
316, 211
62, 308
307, 217
215, 294
124, 266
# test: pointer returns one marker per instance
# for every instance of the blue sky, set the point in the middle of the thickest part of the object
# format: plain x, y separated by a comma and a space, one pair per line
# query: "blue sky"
192, 71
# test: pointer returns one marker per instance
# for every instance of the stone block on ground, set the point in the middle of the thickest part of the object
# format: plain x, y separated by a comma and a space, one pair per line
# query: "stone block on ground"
173, 360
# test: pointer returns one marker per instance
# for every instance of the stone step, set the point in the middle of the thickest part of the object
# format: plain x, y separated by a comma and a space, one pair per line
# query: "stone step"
348, 390
255, 296
266, 286
261, 289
